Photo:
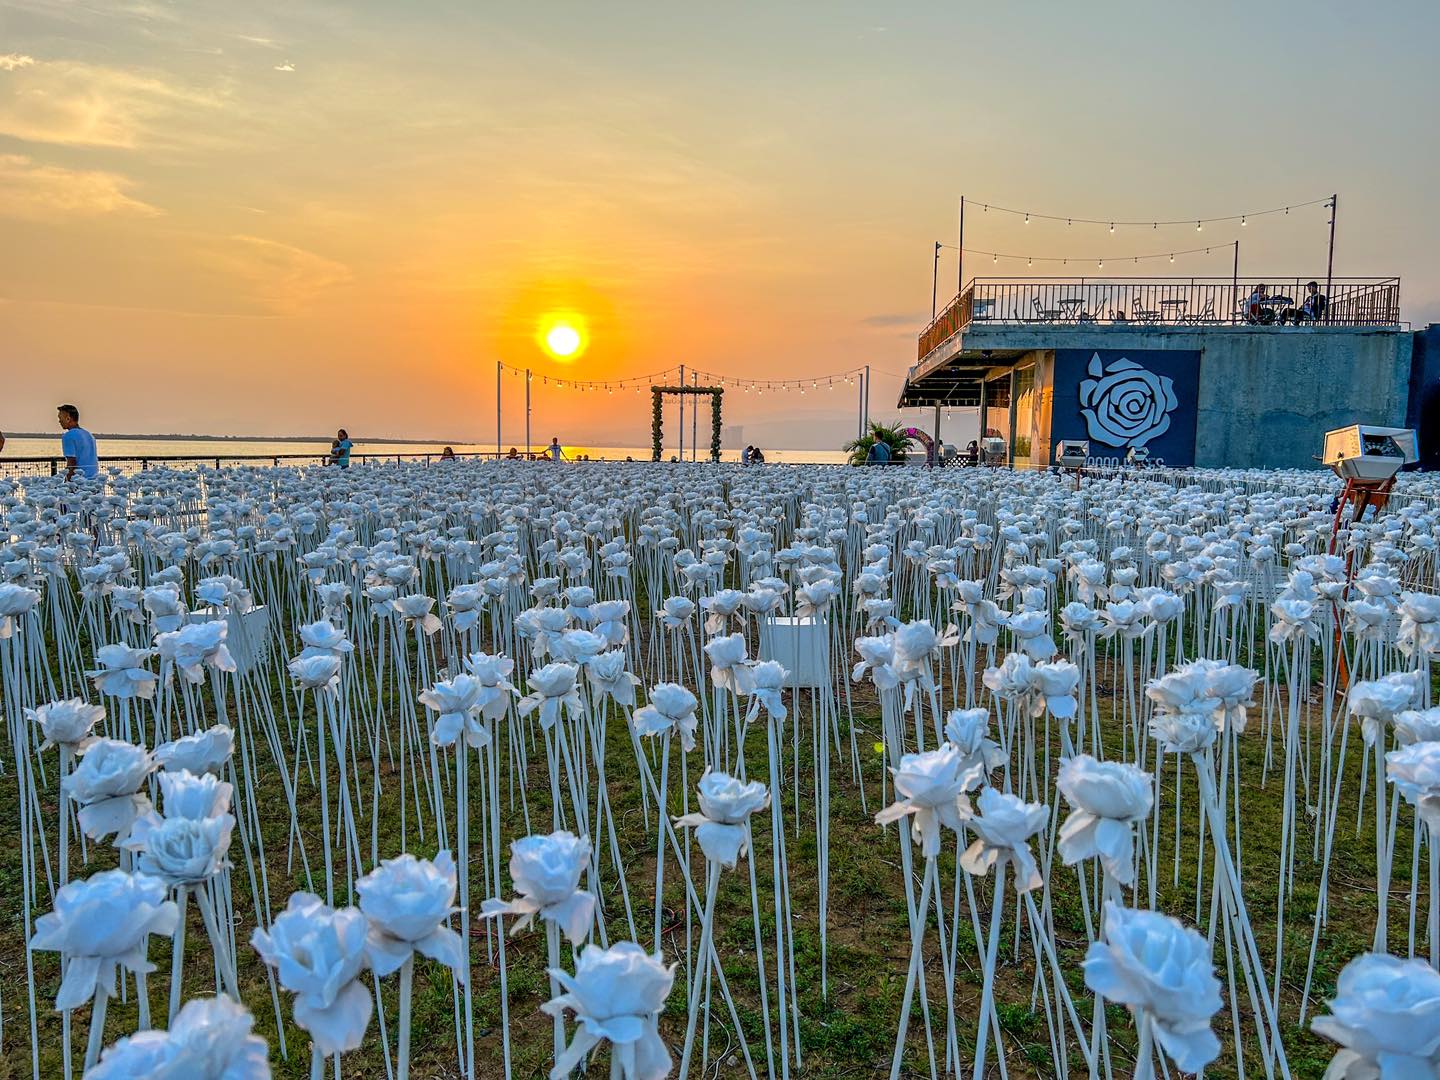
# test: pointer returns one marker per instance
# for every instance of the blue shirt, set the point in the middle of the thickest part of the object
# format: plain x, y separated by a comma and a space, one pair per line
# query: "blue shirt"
79, 444
342, 453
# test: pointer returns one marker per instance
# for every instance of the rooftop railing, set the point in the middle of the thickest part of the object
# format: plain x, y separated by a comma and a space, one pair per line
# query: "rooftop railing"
1181, 301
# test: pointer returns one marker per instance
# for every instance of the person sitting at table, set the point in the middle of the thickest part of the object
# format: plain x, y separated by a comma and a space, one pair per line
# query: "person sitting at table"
1256, 309
1313, 309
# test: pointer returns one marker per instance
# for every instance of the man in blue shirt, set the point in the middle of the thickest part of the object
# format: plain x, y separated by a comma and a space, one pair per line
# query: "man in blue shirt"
77, 444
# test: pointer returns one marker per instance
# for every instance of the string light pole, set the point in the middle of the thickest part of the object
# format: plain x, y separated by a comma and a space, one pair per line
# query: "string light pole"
527, 415
499, 367
935, 280
1330, 258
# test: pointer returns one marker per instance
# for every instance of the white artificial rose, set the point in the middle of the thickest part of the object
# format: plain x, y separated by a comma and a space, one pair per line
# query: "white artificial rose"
316, 672
214, 1039
457, 701
608, 678
67, 723
722, 824
616, 994
969, 730
1386, 1017
106, 785
552, 688
324, 638
205, 751
318, 953
1106, 798
102, 922
672, 706
546, 870
196, 646
928, 785
727, 663
1415, 772
122, 672
407, 901
877, 656
1149, 961
1417, 725
1003, 828
766, 687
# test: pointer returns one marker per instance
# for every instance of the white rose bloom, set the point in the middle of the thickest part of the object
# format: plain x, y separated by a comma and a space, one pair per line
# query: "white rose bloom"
1294, 617
608, 677
1415, 772
1182, 733
16, 601
615, 994
1032, 634
1417, 725
1055, 685
877, 656
493, 673
722, 825
1078, 619
205, 751
1231, 686
122, 673
672, 706
546, 871
67, 723
416, 610
552, 688
676, 612
320, 672
106, 785
318, 953
1185, 690
102, 922
324, 638
194, 647
457, 701
167, 610
1003, 828
1106, 798
581, 646
728, 668
147, 1053
1377, 702
466, 604
1013, 680
1419, 624
609, 617
1150, 961
407, 901
215, 1040
190, 844
929, 785
766, 687
1386, 1016
969, 731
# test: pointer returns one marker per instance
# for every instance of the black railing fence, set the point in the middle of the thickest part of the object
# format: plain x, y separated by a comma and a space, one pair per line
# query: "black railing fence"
55, 466
1168, 301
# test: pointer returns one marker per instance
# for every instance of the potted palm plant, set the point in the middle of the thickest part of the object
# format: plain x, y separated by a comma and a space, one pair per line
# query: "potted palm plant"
893, 435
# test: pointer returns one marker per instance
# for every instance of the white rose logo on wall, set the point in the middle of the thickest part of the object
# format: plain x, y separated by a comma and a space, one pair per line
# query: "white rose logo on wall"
1124, 404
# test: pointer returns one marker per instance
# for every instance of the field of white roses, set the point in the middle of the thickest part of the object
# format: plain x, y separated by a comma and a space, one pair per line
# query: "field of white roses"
507, 769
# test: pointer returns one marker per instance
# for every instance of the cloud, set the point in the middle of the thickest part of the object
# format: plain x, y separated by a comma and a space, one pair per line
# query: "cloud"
77, 104
34, 191
284, 278
286, 66
15, 61
887, 319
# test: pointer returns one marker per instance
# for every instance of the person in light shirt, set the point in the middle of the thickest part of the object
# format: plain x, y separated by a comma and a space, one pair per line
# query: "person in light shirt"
554, 449
77, 444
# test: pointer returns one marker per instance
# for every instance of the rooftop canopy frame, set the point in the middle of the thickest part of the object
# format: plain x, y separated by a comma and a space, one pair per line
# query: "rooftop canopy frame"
657, 416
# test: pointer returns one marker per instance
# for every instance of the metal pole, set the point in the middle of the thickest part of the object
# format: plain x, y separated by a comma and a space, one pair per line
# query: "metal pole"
960, 259
682, 414
935, 281
694, 418
1235, 282
1330, 260
527, 414
867, 400
860, 407
497, 409
937, 433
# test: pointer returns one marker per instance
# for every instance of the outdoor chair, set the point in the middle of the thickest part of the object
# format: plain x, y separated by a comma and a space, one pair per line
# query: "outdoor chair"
1143, 314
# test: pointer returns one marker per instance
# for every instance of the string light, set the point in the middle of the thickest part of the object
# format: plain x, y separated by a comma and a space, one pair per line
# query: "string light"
1070, 219
1030, 260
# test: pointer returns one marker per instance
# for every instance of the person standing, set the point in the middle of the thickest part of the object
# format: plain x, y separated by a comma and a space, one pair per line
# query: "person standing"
340, 451
745, 455
77, 444
554, 450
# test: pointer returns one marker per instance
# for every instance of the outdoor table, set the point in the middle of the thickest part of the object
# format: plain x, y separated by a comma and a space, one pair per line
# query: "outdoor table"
1070, 306
1172, 310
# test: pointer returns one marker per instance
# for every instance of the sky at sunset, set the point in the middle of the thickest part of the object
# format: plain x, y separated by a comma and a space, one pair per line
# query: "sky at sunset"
268, 218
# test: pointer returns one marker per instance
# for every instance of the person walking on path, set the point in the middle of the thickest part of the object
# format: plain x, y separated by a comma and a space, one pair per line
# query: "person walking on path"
77, 444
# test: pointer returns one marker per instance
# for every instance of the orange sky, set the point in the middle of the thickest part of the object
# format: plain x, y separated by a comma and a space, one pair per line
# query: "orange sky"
278, 218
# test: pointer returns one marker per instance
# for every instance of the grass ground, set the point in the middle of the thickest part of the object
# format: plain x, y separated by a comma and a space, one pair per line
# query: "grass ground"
847, 1031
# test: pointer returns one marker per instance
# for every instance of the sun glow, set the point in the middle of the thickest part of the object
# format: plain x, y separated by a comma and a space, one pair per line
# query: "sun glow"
562, 336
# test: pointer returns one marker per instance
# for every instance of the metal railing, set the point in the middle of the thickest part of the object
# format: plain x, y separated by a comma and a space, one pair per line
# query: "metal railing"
128, 465
1188, 301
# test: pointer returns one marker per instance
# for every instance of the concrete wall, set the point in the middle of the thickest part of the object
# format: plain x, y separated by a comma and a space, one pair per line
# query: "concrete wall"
1424, 412
1267, 395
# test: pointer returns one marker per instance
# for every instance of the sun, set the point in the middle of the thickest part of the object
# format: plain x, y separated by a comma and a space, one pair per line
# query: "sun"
562, 335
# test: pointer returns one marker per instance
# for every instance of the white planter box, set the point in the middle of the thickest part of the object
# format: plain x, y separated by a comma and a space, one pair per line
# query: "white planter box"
248, 636
798, 644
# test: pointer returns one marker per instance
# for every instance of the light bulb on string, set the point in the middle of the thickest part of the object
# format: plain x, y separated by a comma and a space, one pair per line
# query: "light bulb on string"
1029, 262
1197, 226
1242, 221
1172, 258
1027, 219
1112, 228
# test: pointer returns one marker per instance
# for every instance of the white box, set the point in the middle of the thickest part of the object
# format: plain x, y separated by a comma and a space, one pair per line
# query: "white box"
247, 636
799, 645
